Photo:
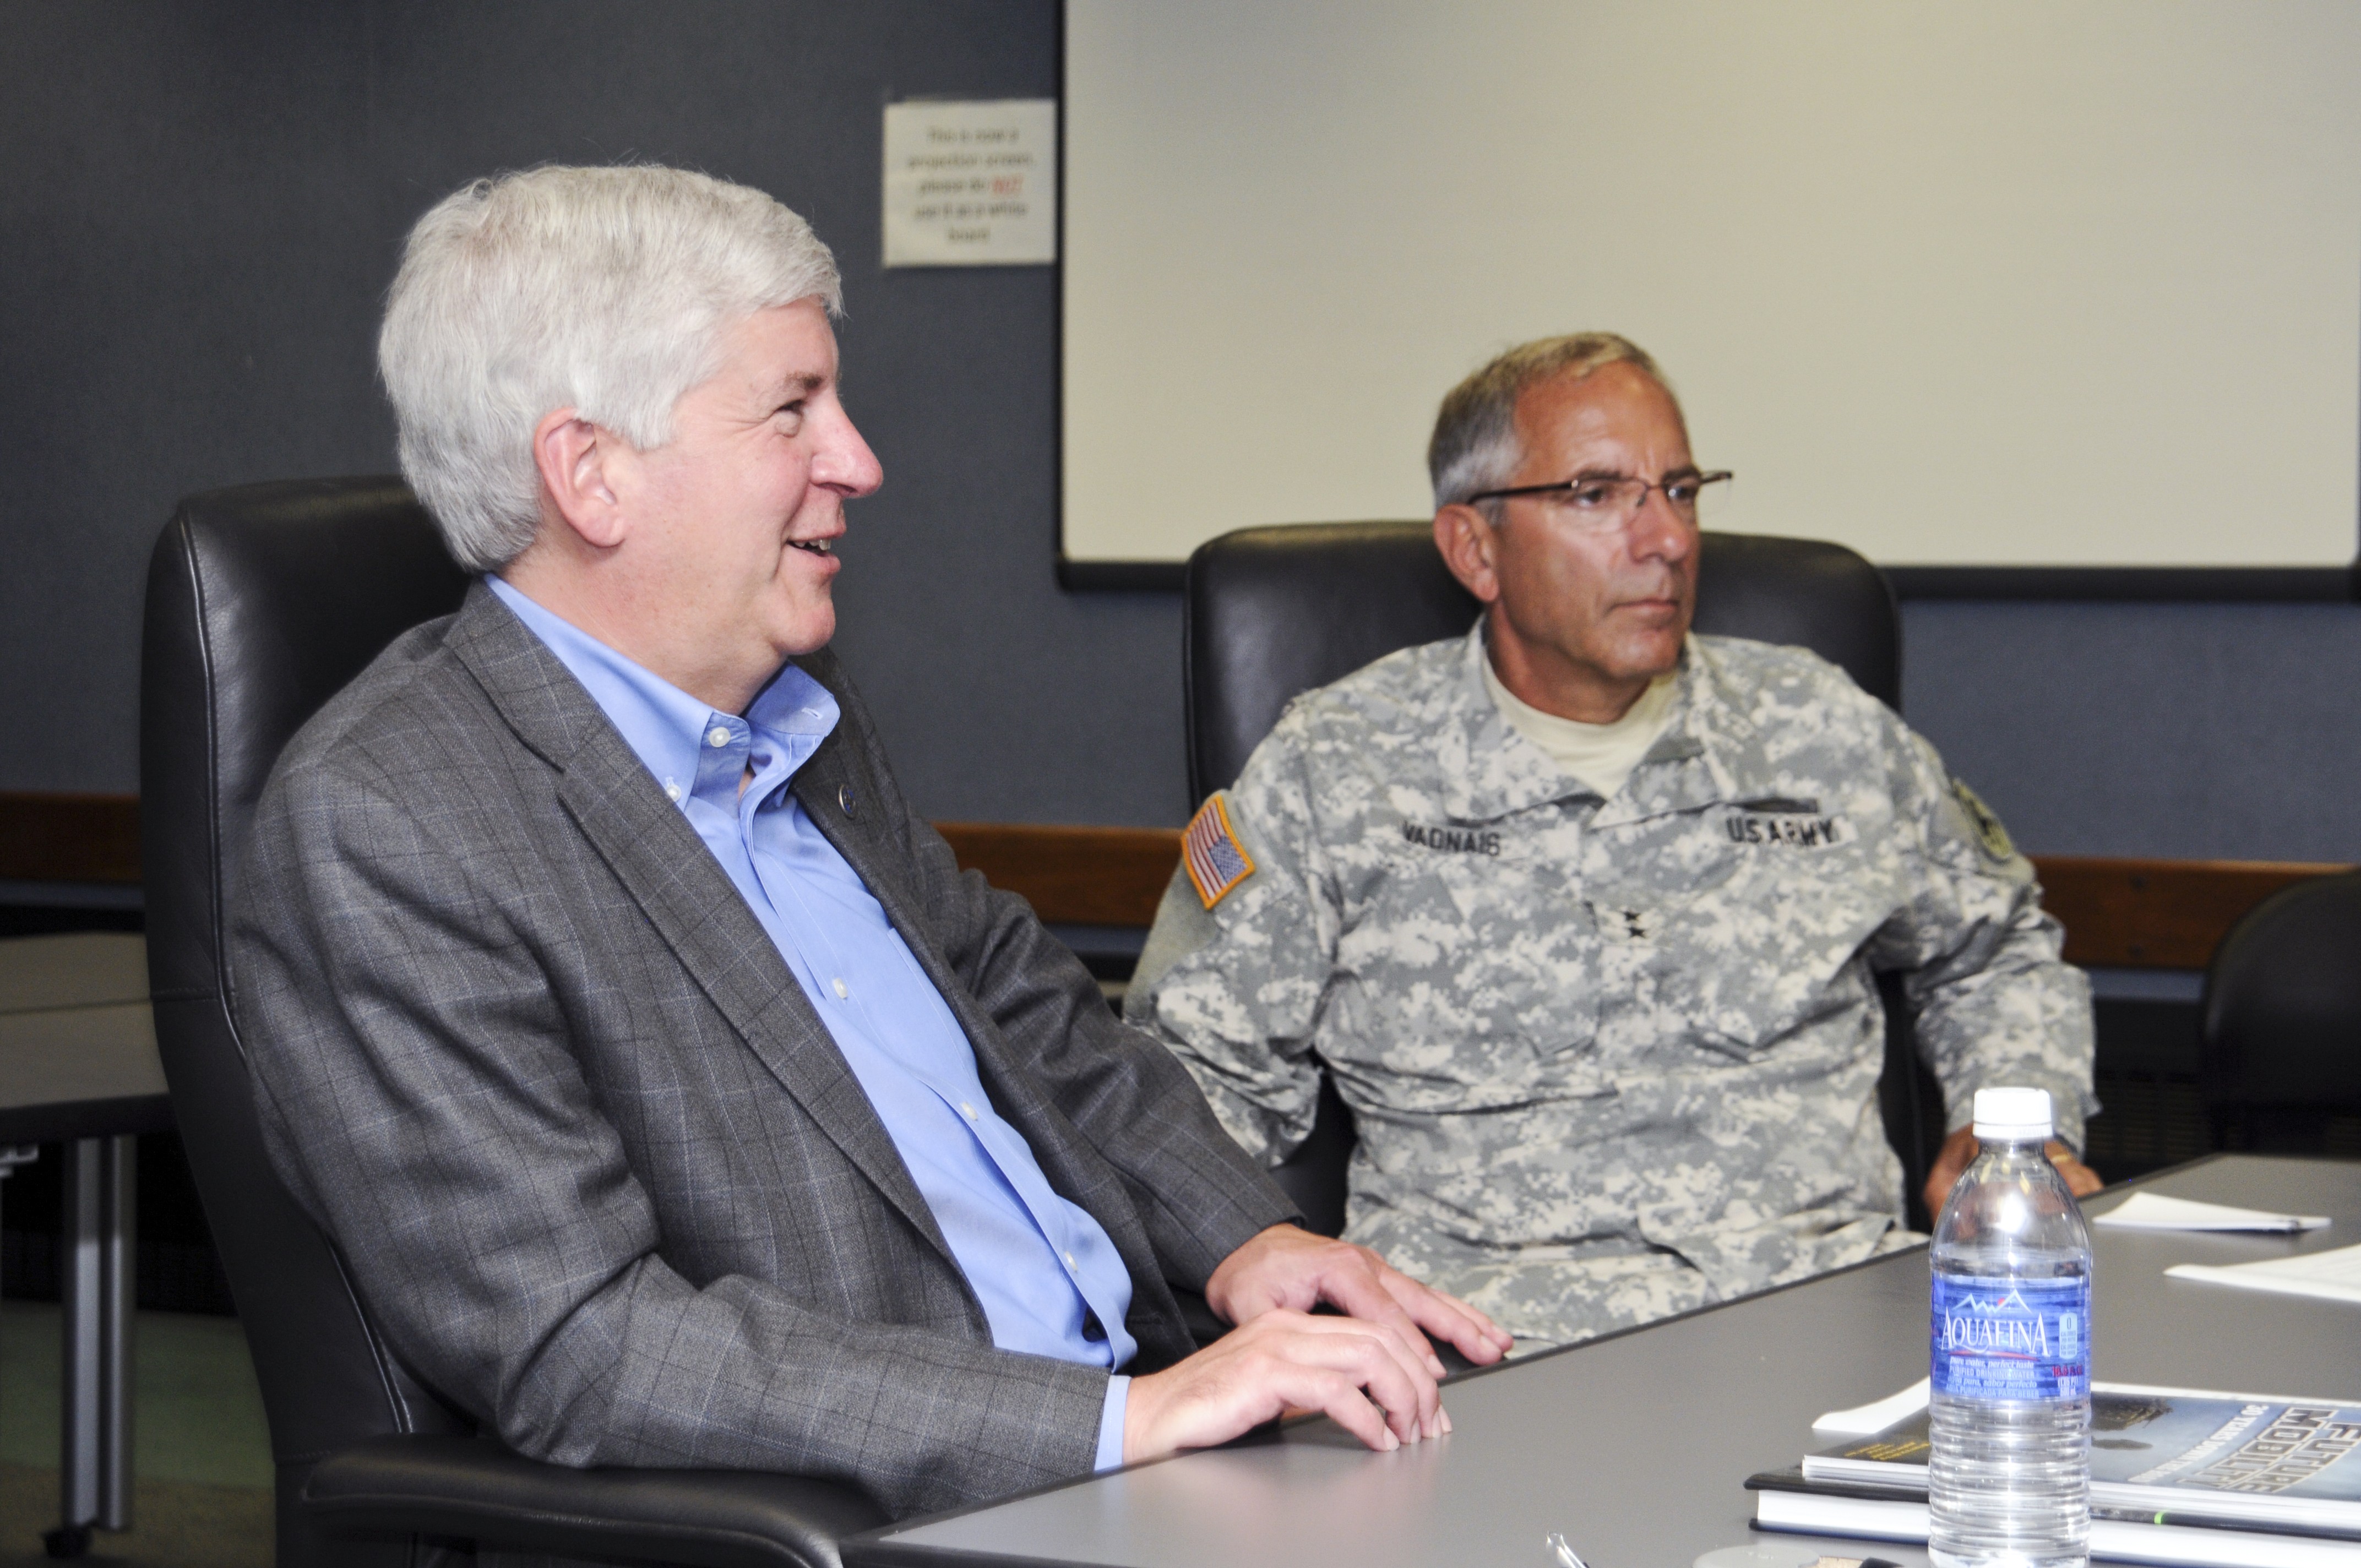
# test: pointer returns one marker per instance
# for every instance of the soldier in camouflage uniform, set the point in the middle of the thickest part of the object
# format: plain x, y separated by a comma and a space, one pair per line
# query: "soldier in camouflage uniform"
1611, 1055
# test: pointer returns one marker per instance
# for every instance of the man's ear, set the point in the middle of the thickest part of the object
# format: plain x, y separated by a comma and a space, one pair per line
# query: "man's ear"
572, 456
1470, 548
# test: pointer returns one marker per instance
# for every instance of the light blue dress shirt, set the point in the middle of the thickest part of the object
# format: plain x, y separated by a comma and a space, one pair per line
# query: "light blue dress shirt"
1051, 1280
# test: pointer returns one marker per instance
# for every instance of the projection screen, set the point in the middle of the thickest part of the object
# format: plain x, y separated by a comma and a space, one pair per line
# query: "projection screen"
2017, 283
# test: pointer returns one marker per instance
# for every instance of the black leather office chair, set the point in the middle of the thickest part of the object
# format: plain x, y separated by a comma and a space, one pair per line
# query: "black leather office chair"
262, 603
2280, 1041
1274, 611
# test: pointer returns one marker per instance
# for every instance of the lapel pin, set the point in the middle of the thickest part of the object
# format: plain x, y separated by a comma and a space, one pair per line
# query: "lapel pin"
846, 798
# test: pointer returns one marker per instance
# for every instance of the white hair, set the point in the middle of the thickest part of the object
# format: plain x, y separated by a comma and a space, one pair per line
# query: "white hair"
604, 291
1475, 447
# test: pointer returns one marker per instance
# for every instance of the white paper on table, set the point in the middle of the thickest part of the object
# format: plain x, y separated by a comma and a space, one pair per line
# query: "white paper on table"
1868, 1421
2155, 1211
2331, 1276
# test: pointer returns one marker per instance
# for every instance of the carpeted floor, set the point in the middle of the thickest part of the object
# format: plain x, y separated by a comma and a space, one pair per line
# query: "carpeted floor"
174, 1524
201, 1453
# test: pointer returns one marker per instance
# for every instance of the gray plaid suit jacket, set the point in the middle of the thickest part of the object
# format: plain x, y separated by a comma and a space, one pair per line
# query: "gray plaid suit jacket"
598, 1172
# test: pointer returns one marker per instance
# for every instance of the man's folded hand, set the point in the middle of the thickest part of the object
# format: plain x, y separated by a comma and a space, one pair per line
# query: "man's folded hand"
1371, 1370
1288, 1266
1960, 1151
1358, 1373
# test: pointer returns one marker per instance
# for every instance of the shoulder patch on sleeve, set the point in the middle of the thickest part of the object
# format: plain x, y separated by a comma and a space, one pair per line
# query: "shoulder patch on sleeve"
1210, 848
1991, 837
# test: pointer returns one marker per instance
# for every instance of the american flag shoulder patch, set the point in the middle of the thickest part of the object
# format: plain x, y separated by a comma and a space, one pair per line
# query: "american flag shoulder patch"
1210, 848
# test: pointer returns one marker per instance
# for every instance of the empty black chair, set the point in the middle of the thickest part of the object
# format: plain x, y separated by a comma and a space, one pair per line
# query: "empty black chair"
1271, 612
262, 602
2280, 1048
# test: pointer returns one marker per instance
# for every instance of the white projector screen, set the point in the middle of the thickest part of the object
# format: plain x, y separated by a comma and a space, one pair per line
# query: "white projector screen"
2020, 283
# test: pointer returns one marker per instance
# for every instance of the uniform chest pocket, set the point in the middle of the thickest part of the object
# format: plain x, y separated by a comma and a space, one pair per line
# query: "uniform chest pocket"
1468, 964
1741, 932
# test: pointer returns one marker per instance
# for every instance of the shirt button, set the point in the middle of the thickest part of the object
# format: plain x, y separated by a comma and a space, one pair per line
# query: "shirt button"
967, 1110
1071, 1267
717, 737
672, 790
842, 992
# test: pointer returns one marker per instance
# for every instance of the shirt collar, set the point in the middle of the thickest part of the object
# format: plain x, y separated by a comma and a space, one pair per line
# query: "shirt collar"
1703, 727
1488, 770
1491, 771
665, 727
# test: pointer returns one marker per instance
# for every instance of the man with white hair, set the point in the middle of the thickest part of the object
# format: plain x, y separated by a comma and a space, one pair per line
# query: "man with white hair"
671, 1095
1583, 912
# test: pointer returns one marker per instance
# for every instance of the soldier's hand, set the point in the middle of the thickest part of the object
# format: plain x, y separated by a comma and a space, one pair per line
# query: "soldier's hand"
1282, 1363
1960, 1151
1288, 1268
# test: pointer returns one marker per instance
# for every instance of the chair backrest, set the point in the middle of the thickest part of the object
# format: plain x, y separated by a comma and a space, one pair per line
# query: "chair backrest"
1275, 612
1271, 612
262, 602
2280, 1040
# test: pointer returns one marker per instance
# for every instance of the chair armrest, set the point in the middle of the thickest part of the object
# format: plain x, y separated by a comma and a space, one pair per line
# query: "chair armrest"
474, 1488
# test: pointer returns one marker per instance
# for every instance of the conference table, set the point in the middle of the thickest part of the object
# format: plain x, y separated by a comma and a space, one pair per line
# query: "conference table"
1635, 1448
78, 1066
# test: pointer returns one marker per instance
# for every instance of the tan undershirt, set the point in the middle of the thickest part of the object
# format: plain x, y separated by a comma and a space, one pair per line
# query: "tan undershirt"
1600, 755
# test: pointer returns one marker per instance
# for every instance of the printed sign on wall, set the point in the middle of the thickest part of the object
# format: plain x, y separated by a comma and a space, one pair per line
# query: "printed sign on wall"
972, 184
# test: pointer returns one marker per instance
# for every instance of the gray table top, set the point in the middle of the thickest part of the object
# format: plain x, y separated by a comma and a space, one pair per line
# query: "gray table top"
77, 1041
1637, 1447
82, 968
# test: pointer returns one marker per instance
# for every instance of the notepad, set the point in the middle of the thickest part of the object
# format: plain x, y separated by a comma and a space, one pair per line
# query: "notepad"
2155, 1211
1865, 1421
2331, 1276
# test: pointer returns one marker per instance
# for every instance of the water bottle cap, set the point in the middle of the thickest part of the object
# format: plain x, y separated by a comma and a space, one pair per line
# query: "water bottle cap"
2013, 1115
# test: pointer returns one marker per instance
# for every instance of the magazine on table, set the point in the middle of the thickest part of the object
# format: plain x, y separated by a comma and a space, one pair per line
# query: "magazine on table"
2243, 1458
2178, 1476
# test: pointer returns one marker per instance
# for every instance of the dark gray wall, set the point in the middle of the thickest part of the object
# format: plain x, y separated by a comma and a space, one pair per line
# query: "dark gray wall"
2182, 730
200, 209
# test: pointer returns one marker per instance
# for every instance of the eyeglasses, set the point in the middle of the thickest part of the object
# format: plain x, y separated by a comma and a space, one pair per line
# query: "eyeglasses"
1609, 500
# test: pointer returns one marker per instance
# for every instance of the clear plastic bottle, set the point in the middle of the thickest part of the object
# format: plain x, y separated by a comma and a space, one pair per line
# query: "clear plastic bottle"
2009, 1480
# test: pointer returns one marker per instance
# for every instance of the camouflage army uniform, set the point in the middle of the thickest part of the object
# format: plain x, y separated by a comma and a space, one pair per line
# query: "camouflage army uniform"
1610, 1059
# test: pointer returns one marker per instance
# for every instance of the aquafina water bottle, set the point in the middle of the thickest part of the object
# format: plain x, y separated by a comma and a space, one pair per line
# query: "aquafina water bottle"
2009, 1480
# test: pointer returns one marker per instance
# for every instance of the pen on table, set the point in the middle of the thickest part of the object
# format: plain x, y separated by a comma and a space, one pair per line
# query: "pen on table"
2215, 1521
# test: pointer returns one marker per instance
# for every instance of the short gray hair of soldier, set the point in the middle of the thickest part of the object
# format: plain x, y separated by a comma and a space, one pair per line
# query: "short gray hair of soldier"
1475, 447
606, 291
